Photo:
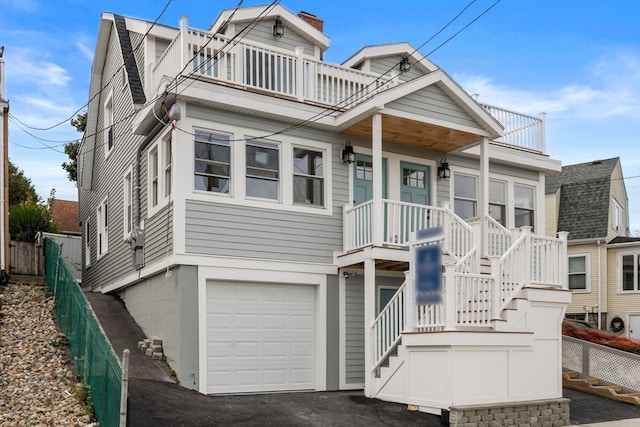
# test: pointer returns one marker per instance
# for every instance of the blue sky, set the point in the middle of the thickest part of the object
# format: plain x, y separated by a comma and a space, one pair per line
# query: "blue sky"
576, 60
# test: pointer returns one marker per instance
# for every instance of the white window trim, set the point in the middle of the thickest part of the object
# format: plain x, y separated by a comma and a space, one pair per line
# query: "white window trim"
127, 197
87, 243
108, 118
452, 189
534, 210
587, 266
163, 199
282, 168
232, 164
325, 159
616, 216
237, 193
102, 230
636, 269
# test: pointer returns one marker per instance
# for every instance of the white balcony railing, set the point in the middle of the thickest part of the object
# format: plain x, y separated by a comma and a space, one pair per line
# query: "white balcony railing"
291, 73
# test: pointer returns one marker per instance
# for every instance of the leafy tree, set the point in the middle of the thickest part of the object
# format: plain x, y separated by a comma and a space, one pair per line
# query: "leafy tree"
21, 189
27, 219
71, 149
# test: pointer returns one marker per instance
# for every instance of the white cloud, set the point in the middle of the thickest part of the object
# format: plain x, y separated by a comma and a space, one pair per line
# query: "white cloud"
28, 67
85, 50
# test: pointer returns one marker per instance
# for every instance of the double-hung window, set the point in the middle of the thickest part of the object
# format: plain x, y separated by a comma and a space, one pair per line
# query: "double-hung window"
159, 161
212, 152
102, 229
523, 205
263, 169
465, 195
127, 198
579, 272
108, 124
87, 243
308, 177
630, 271
498, 201
617, 216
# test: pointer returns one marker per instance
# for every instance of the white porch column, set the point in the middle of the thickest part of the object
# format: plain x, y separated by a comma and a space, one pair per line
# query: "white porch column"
184, 41
378, 208
369, 317
483, 195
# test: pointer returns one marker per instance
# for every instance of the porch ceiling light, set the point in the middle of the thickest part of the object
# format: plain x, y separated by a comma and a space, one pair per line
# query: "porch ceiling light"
405, 65
443, 169
278, 27
348, 156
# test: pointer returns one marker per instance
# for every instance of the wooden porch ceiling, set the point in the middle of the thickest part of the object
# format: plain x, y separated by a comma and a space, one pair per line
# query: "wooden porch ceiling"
417, 134
387, 265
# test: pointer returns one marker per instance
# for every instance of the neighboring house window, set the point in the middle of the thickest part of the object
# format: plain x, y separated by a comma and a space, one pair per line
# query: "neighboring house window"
308, 177
212, 162
102, 229
465, 195
523, 202
630, 271
108, 123
128, 203
617, 216
159, 174
263, 169
579, 272
87, 244
497, 201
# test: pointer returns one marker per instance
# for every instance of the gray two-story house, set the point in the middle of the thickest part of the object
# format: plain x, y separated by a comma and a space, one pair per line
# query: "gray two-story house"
255, 207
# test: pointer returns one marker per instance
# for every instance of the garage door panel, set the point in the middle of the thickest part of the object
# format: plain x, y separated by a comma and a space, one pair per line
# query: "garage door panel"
260, 337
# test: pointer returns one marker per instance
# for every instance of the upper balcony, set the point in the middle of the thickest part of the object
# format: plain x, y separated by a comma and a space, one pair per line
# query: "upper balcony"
292, 74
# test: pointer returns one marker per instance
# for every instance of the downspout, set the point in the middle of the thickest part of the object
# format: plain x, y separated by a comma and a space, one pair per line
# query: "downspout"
599, 286
137, 236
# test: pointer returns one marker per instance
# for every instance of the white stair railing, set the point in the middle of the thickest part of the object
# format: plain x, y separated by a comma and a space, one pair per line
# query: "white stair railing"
498, 237
388, 326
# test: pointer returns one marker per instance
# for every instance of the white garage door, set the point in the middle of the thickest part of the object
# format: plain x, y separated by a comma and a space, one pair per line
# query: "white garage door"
260, 337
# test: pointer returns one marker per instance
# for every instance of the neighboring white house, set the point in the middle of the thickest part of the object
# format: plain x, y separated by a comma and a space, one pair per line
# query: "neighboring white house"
253, 206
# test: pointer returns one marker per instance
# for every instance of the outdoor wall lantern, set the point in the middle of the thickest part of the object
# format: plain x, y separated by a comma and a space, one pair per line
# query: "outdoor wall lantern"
348, 156
404, 64
443, 169
278, 27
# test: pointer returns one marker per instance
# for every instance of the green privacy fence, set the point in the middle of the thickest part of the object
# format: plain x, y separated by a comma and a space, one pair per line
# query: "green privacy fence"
97, 363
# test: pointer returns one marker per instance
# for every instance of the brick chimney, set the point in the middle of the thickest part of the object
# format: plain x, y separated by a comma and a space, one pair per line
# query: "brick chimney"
315, 22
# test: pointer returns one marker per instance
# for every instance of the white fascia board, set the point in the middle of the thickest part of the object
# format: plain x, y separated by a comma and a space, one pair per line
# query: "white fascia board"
383, 50
513, 156
291, 21
624, 245
156, 30
256, 104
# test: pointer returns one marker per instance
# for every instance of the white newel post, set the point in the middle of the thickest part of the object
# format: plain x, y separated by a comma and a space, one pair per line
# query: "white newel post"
376, 148
410, 320
450, 297
526, 231
484, 196
564, 260
184, 41
300, 73
369, 318
496, 294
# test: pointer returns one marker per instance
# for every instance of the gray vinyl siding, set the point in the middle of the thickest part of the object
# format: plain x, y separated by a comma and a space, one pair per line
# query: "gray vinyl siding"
433, 102
108, 181
263, 33
494, 168
261, 233
390, 65
333, 333
354, 331
137, 44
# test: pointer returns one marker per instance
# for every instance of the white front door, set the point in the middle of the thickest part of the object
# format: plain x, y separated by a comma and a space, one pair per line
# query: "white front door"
634, 326
260, 337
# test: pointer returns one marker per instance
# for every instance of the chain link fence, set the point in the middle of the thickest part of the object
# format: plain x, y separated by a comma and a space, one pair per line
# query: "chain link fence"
97, 363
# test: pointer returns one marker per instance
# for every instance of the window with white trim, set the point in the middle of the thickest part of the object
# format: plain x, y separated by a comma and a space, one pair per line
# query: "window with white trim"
102, 229
465, 195
87, 243
159, 174
629, 271
308, 177
524, 197
498, 201
212, 169
263, 169
616, 216
579, 272
127, 198
108, 124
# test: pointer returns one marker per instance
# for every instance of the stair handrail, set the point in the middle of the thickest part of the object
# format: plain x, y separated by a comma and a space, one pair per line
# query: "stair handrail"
468, 263
511, 272
498, 237
455, 226
388, 326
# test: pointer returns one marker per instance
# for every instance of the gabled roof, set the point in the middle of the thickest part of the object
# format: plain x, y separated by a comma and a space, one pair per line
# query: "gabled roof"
377, 51
65, 214
129, 59
584, 197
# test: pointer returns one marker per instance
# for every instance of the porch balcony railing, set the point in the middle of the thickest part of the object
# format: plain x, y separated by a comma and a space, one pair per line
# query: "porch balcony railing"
292, 73
400, 219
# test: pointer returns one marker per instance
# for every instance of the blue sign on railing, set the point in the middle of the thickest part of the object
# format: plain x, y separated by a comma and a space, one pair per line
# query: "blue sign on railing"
428, 274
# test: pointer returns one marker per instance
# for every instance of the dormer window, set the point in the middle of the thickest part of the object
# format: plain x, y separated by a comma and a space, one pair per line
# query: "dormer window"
616, 220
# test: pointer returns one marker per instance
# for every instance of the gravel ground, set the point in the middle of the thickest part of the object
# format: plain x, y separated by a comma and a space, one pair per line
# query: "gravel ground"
37, 383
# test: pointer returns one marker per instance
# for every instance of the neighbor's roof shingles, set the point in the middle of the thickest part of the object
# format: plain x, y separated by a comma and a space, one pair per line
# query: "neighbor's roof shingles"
65, 214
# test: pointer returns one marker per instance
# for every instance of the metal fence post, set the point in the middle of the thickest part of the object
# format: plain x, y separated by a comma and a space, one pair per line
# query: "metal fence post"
124, 389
